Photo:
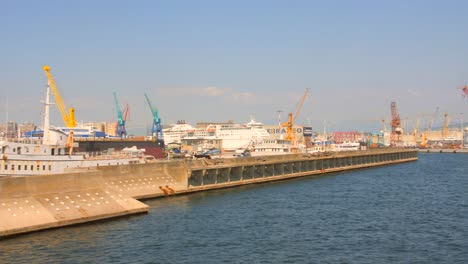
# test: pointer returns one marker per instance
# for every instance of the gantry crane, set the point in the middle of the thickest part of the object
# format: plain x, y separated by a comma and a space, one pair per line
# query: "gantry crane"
290, 135
434, 118
156, 130
69, 120
120, 126
395, 135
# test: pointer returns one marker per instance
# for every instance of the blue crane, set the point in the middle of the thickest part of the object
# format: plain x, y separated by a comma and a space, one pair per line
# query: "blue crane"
156, 130
120, 126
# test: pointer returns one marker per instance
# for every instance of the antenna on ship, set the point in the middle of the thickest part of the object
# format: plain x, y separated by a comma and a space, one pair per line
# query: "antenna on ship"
6, 119
46, 138
279, 123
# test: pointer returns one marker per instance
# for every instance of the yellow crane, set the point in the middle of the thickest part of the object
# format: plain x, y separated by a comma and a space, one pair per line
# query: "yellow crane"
69, 120
416, 128
292, 119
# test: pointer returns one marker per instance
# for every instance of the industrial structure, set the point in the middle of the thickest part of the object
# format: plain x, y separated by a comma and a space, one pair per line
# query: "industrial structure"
156, 130
68, 119
290, 135
120, 130
397, 131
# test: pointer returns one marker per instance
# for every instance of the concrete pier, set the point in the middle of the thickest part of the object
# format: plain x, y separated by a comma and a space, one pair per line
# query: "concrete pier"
440, 150
212, 174
40, 202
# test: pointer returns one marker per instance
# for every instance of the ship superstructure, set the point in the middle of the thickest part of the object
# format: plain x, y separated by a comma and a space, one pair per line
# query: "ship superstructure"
233, 136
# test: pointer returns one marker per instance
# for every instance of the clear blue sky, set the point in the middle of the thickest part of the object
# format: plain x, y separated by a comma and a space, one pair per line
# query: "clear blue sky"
220, 60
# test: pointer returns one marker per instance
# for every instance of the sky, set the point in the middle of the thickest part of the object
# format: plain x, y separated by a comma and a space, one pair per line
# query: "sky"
213, 61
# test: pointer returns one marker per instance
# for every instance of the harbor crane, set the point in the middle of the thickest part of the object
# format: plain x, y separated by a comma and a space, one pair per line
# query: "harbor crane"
68, 119
121, 118
416, 128
434, 119
290, 135
397, 131
156, 130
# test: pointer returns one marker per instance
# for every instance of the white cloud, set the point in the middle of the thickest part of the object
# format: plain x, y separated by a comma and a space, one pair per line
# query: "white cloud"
413, 92
213, 91
207, 91
244, 97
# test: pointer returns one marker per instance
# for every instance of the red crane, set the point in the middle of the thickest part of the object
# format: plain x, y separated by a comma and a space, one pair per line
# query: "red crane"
395, 136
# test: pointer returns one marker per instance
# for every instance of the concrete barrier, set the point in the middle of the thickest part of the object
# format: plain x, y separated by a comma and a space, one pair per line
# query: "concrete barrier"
40, 202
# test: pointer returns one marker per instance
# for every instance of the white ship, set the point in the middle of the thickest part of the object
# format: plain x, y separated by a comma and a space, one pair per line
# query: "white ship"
269, 147
54, 154
83, 131
346, 146
176, 132
234, 136
78, 132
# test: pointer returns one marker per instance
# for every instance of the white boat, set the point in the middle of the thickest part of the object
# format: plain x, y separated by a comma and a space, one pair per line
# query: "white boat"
176, 132
346, 146
315, 149
54, 154
78, 132
83, 131
234, 136
320, 144
268, 147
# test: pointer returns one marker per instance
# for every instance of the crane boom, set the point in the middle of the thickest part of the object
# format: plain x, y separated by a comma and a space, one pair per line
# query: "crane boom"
291, 119
156, 130
120, 126
300, 104
69, 120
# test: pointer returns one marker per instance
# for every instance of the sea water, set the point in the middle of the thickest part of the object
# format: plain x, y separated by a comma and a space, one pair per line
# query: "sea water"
414, 212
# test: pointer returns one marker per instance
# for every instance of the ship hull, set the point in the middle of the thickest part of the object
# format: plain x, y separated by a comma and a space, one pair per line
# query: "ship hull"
153, 148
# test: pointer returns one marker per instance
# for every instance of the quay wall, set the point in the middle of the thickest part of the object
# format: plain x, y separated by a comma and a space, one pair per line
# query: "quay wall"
440, 150
41, 202
212, 174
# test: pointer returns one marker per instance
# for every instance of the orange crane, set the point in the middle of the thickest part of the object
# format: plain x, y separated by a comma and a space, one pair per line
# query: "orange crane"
416, 128
69, 120
292, 119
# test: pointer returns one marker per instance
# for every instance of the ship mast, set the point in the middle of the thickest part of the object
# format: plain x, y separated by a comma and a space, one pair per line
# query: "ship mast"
46, 138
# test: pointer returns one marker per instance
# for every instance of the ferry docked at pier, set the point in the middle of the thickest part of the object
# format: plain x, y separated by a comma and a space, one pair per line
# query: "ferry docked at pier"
234, 136
269, 147
346, 146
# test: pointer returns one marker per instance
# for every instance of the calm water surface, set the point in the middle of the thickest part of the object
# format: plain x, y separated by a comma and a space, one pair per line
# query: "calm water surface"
407, 213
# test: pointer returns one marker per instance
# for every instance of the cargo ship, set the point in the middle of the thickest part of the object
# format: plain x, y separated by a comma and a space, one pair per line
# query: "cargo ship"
89, 140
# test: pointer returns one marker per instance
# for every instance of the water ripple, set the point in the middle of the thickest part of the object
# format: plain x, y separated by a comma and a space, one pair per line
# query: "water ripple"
407, 213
